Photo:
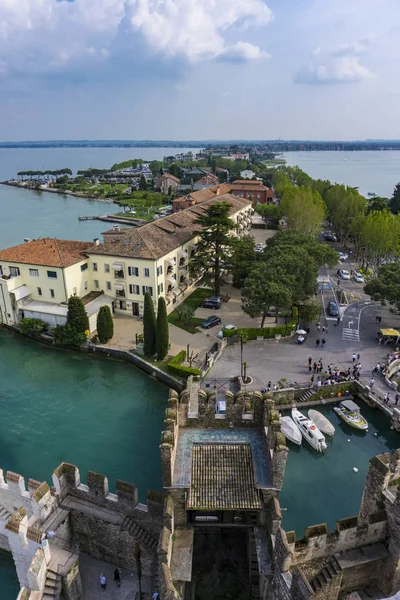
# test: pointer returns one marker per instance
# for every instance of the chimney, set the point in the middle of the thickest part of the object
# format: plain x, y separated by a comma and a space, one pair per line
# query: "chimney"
96, 241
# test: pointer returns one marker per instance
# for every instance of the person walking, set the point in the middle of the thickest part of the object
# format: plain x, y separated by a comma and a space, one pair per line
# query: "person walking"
323, 328
312, 379
310, 361
314, 367
373, 370
358, 357
396, 398
309, 368
103, 581
379, 319
117, 577
323, 342
318, 326
318, 341
371, 383
354, 357
386, 398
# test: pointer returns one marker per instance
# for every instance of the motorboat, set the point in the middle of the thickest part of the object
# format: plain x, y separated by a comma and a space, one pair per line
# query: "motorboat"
309, 430
290, 430
321, 422
349, 411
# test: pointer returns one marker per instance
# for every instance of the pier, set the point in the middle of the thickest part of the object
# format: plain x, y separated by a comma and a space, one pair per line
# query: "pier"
113, 219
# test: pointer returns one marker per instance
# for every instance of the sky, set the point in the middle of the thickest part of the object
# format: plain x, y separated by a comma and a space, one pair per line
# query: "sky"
199, 69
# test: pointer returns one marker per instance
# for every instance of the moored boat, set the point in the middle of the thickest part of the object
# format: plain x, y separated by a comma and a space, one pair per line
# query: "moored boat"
349, 411
321, 421
309, 430
290, 430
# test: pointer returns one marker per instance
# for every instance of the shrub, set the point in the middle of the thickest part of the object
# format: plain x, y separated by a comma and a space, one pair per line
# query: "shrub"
149, 326
175, 366
77, 317
105, 325
32, 326
252, 333
162, 334
67, 336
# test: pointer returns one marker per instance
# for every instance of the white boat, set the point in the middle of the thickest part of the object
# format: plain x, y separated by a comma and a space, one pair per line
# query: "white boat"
290, 430
321, 422
349, 411
309, 430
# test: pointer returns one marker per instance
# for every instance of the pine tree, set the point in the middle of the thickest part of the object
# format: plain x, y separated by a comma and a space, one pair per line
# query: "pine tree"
77, 317
105, 325
149, 326
142, 183
162, 333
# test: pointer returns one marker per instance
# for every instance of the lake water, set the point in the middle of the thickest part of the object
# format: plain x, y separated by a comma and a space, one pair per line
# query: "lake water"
371, 171
321, 488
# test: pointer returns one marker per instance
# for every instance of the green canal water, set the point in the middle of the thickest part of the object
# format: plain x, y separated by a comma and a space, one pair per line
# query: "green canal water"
322, 488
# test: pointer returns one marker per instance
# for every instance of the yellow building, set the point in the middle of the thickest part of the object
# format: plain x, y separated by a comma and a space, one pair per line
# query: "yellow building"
38, 277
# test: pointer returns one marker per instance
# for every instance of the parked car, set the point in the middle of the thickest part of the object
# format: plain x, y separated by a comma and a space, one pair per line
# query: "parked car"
333, 309
259, 248
211, 303
343, 274
329, 236
358, 278
343, 256
211, 321
221, 332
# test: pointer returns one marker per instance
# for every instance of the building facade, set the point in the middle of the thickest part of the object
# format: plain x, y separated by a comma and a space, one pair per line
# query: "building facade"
253, 190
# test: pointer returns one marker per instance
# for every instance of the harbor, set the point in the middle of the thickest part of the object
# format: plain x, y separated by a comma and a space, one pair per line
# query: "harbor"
114, 219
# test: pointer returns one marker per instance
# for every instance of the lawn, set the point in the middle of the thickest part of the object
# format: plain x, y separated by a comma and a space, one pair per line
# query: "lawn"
193, 301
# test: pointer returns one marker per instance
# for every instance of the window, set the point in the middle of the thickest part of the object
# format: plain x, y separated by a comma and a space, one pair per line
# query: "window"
258, 195
34, 272
159, 271
52, 294
160, 288
14, 271
84, 267
52, 274
147, 272
134, 271
39, 291
96, 284
147, 288
106, 268
94, 266
85, 285
108, 285
134, 289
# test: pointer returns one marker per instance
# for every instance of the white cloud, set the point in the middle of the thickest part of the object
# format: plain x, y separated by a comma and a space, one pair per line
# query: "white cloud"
243, 51
41, 35
341, 65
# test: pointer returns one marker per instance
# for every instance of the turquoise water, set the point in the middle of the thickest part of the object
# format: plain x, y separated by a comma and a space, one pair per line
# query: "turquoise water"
96, 413
9, 585
321, 488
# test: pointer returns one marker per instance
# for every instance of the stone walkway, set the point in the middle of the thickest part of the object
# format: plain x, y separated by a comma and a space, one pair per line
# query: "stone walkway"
91, 569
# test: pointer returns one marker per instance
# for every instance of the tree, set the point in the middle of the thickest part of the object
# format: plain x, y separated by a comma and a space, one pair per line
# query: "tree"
77, 317
379, 237
142, 183
303, 208
162, 333
394, 202
386, 286
320, 253
242, 259
105, 324
215, 245
149, 326
260, 292
297, 265
343, 205
185, 312
377, 203
269, 212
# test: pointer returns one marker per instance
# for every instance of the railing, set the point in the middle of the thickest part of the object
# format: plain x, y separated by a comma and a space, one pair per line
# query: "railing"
119, 275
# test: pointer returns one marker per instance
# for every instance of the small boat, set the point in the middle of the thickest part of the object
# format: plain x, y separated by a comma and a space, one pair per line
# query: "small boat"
349, 411
321, 422
290, 430
309, 430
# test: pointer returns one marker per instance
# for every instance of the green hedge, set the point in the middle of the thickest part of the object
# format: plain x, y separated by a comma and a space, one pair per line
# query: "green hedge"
175, 366
252, 333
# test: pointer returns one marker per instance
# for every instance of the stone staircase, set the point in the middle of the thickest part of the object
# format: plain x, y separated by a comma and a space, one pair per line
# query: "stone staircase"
325, 576
4, 514
52, 587
140, 534
305, 396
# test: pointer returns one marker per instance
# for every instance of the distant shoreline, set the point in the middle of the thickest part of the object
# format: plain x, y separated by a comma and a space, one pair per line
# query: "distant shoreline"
55, 191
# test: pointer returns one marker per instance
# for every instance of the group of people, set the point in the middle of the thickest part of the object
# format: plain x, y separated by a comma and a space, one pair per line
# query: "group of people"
269, 387
333, 374
117, 581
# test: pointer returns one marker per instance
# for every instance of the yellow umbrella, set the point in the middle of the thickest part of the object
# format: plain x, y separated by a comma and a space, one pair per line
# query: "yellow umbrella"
390, 332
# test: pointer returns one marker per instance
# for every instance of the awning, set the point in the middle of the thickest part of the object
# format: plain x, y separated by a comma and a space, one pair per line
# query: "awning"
390, 332
21, 292
183, 254
119, 286
117, 267
171, 262
172, 281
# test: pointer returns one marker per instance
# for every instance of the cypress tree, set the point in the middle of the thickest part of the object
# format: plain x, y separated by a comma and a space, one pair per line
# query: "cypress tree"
149, 326
77, 317
162, 334
105, 325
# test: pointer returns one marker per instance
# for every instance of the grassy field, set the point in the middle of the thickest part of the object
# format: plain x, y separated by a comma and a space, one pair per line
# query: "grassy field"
193, 301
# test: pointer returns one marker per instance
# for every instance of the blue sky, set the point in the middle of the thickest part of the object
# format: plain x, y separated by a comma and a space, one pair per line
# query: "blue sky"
197, 69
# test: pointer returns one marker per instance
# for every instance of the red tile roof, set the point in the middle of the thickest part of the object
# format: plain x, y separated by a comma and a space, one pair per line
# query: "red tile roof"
48, 252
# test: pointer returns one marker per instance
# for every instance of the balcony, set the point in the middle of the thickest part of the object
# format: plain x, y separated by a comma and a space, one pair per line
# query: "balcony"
118, 271
120, 290
13, 281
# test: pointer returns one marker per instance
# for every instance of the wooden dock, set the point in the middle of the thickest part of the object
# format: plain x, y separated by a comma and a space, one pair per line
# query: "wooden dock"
112, 219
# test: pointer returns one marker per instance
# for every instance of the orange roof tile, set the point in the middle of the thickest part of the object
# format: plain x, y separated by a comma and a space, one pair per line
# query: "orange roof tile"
48, 252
